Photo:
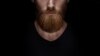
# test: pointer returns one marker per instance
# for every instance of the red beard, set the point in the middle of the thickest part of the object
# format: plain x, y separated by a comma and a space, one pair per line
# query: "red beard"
50, 21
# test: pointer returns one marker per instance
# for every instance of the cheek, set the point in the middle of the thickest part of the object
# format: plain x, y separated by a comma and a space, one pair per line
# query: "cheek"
59, 4
42, 4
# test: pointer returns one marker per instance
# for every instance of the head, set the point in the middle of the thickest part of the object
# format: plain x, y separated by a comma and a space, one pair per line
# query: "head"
50, 14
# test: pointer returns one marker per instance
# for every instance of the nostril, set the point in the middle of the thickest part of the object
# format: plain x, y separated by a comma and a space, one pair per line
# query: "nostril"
50, 8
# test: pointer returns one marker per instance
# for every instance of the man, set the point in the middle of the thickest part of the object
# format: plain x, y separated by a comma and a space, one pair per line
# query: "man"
50, 23
50, 34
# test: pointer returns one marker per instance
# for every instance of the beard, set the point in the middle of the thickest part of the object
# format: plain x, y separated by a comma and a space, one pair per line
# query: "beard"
50, 21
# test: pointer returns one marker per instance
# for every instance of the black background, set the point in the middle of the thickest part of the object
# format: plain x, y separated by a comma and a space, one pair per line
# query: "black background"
82, 14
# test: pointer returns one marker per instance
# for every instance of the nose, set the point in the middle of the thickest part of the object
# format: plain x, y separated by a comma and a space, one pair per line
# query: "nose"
50, 3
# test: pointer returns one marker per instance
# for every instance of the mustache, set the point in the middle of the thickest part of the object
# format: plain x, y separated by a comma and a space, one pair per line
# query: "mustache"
50, 11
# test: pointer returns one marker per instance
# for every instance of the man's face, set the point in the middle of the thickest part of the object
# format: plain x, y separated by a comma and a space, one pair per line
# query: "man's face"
58, 5
50, 14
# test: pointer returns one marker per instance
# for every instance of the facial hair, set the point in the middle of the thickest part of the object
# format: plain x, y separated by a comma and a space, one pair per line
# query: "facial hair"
50, 21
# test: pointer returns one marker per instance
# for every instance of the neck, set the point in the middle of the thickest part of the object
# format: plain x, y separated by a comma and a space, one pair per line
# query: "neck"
50, 36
